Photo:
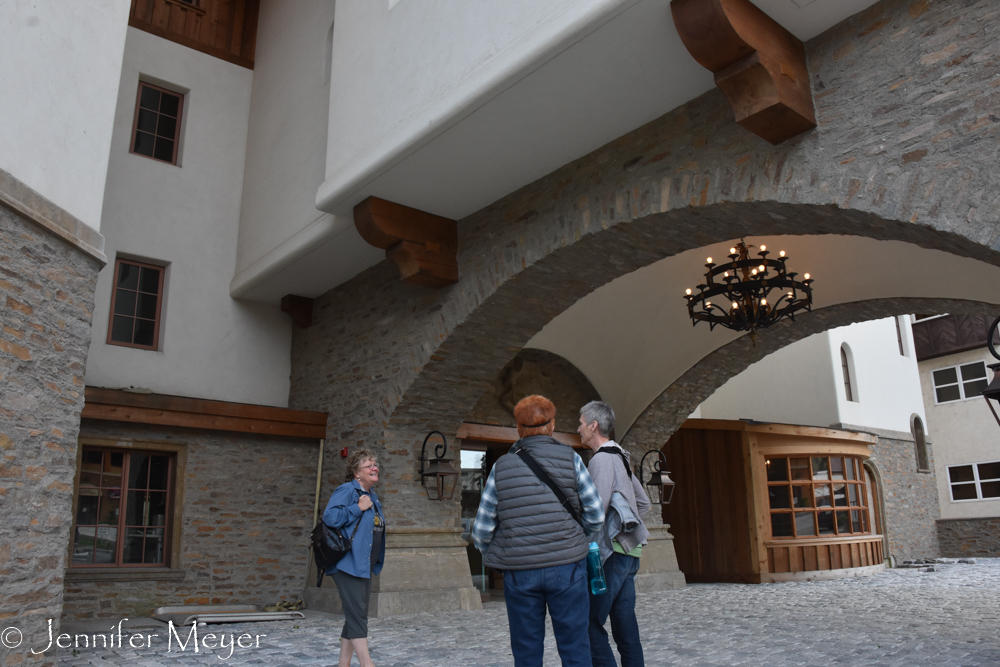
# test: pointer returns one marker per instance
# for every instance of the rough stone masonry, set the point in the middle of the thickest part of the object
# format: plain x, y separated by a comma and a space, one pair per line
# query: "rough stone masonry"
47, 292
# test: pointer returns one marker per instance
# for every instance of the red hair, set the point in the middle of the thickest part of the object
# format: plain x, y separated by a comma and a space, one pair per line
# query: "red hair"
535, 415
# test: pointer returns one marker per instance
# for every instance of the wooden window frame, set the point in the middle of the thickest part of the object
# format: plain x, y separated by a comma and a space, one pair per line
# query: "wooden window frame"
159, 304
177, 130
860, 494
960, 382
847, 368
976, 480
168, 523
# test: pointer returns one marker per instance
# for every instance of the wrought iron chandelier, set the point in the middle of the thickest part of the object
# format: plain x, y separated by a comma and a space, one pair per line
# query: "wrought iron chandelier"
738, 294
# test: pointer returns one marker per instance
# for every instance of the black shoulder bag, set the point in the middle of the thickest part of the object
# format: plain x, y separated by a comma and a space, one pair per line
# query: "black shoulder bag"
615, 450
545, 479
329, 545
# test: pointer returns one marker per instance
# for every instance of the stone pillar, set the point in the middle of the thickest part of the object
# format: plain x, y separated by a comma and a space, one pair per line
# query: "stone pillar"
658, 570
49, 263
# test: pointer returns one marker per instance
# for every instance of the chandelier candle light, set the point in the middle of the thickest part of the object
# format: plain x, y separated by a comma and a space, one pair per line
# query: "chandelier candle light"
743, 288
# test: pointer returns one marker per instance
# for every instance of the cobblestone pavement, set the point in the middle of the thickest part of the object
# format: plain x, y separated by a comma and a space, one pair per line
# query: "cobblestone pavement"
900, 618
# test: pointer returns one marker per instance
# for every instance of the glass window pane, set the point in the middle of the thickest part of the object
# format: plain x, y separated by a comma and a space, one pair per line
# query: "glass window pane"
157, 515
945, 376
836, 468
166, 127
990, 489
804, 524
852, 493
989, 470
138, 471
945, 394
777, 469
821, 467
147, 306
825, 520
850, 468
961, 474
144, 144
146, 121
90, 468
856, 520
105, 545
975, 388
154, 547
128, 276
779, 497
802, 495
150, 98
169, 104
110, 500
144, 332
132, 552
125, 303
840, 495
973, 371
86, 507
822, 492
159, 467
112, 476
135, 508
781, 525
83, 545
121, 329
149, 280
843, 522
164, 150
963, 492
800, 468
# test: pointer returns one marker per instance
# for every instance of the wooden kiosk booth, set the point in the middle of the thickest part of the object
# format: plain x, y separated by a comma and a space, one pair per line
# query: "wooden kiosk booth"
759, 503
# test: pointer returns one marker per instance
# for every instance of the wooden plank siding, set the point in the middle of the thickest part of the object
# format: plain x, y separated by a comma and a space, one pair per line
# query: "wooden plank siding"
226, 29
123, 406
950, 334
809, 556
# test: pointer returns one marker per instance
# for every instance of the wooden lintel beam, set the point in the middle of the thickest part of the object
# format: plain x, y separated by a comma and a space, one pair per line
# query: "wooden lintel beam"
300, 308
759, 66
508, 434
122, 406
423, 245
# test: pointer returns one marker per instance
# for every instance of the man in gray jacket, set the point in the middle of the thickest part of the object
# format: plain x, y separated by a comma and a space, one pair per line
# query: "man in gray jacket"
621, 539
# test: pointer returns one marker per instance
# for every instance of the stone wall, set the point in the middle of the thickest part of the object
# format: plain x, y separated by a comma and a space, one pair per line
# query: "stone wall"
246, 514
46, 296
904, 94
965, 538
911, 500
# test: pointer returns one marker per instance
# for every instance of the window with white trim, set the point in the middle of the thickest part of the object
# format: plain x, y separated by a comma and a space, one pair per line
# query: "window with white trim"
959, 383
974, 481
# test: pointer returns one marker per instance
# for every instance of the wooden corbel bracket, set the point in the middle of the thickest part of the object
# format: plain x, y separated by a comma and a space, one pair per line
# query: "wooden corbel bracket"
759, 66
423, 245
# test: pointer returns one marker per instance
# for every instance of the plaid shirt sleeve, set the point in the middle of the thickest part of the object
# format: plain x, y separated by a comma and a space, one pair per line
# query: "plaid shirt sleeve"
486, 519
593, 509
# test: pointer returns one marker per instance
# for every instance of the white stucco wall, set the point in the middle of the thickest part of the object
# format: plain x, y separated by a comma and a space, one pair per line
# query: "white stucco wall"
803, 384
286, 148
961, 432
59, 70
187, 216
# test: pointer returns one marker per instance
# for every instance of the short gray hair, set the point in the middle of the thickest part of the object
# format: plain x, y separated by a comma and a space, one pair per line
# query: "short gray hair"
600, 412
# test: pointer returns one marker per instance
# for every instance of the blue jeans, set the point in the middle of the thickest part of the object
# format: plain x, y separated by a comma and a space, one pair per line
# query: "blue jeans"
619, 603
563, 588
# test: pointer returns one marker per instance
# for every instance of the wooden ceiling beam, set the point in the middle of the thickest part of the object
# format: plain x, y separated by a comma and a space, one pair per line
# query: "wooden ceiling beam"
423, 245
759, 66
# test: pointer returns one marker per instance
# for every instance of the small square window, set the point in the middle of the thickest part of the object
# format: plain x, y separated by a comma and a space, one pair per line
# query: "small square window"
959, 383
157, 124
136, 303
974, 481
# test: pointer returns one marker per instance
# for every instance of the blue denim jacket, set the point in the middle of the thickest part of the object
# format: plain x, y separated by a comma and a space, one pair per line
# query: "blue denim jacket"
342, 512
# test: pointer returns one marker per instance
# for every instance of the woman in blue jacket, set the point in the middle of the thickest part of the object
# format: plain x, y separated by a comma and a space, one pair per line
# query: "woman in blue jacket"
354, 503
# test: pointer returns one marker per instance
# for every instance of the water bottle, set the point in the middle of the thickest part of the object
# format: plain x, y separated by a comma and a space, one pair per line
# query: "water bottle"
595, 571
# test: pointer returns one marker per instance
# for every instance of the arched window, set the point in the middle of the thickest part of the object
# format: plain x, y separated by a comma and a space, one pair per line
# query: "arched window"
920, 444
847, 367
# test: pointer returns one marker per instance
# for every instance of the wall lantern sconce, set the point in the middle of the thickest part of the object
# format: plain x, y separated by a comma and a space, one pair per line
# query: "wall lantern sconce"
742, 288
992, 391
659, 487
437, 470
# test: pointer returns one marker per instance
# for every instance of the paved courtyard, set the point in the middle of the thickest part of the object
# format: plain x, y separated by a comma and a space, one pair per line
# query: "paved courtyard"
904, 617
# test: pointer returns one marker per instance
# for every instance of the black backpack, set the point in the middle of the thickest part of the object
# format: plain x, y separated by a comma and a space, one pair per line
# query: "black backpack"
329, 545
